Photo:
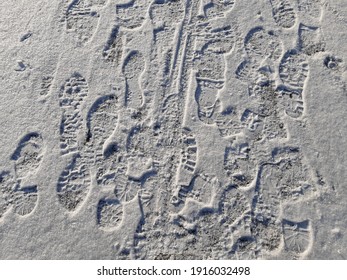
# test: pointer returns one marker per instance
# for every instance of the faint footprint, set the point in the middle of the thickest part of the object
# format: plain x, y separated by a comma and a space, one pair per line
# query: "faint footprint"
266, 210
133, 68
73, 184
125, 189
293, 71
46, 83
274, 128
295, 182
246, 71
28, 155
310, 8
166, 12
109, 214
186, 168
102, 120
253, 124
233, 206
239, 164
261, 45
25, 200
226, 120
82, 17
283, 13
200, 193
206, 98
107, 170
244, 248
210, 65
71, 97
132, 15
113, 49
310, 39
190, 150
297, 236
27, 159
7, 189
214, 41
215, 8
201, 188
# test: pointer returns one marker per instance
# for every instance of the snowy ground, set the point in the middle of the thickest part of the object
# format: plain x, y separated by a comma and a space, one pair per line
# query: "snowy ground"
171, 129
